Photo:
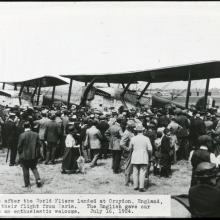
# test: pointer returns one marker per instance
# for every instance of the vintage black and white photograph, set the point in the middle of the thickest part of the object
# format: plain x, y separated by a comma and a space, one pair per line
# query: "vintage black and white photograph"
111, 98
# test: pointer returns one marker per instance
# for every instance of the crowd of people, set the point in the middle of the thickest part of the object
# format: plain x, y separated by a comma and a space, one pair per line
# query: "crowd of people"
136, 139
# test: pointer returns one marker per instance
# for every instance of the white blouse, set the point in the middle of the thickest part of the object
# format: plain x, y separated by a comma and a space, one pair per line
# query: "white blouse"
70, 142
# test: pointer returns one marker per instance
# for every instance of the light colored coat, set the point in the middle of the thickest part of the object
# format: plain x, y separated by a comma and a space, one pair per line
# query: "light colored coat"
140, 145
65, 120
93, 138
42, 126
114, 134
125, 140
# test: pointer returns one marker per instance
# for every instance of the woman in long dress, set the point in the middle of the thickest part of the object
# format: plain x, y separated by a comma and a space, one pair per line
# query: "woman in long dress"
71, 154
165, 160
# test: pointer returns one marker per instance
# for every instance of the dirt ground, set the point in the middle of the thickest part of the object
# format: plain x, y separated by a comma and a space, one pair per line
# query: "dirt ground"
99, 180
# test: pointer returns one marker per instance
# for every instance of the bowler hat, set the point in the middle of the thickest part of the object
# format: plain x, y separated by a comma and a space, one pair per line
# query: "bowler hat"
71, 128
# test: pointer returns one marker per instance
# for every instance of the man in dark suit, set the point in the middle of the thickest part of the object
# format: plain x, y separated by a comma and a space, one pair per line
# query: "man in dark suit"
197, 129
10, 136
114, 134
182, 134
52, 137
29, 152
103, 126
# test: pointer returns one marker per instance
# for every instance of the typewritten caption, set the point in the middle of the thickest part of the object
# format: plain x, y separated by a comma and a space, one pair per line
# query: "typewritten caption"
96, 205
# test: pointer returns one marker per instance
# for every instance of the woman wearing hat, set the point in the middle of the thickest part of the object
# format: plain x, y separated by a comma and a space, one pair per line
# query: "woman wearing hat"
165, 149
140, 145
71, 154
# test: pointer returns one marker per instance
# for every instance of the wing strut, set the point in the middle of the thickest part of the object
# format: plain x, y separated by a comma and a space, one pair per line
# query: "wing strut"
69, 93
143, 91
125, 89
53, 93
188, 89
20, 92
38, 95
206, 92
86, 92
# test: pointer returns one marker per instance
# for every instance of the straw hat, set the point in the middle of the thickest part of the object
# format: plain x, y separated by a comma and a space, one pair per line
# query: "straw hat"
139, 127
130, 124
102, 117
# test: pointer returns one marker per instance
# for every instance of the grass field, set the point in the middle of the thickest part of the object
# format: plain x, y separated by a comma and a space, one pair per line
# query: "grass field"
99, 179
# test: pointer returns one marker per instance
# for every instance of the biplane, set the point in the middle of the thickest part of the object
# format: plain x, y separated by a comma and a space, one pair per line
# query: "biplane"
187, 72
29, 92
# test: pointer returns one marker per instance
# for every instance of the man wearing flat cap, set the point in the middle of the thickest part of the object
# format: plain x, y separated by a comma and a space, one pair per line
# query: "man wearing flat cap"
204, 198
51, 136
202, 154
28, 149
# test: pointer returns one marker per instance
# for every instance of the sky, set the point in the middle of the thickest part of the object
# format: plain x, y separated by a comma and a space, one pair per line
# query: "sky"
39, 38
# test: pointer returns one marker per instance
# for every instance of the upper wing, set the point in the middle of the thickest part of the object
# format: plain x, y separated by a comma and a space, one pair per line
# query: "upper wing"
197, 71
43, 81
